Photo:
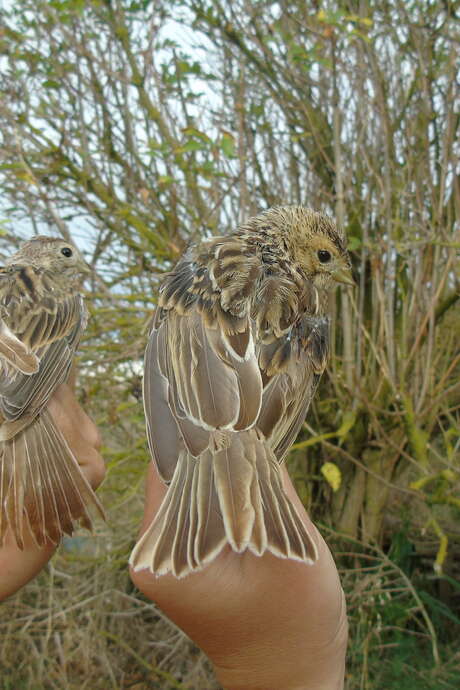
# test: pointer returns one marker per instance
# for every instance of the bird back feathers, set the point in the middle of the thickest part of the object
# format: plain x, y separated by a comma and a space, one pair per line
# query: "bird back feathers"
238, 343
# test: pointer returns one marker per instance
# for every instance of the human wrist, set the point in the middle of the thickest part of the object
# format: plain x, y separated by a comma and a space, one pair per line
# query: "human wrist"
19, 566
242, 680
288, 661
272, 679
262, 668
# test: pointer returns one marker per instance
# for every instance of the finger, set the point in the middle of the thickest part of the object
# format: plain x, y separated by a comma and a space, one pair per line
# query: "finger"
288, 486
93, 467
155, 490
71, 418
80, 432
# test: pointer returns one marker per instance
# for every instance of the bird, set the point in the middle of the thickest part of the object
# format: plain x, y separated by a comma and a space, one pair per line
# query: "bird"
237, 345
42, 316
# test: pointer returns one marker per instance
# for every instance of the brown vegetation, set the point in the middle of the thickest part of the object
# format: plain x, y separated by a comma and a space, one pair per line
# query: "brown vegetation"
133, 127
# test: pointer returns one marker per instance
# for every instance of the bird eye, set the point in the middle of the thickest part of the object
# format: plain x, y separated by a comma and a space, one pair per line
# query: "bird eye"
66, 251
324, 256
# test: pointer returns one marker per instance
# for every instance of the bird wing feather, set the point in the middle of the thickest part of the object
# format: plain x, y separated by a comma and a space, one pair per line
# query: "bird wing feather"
50, 327
201, 370
207, 384
291, 367
162, 427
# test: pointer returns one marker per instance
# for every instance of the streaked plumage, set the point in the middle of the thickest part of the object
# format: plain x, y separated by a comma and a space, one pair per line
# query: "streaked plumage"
42, 316
237, 346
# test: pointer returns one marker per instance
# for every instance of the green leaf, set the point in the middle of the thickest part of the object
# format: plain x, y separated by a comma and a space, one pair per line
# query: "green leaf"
165, 180
227, 145
348, 421
51, 84
439, 607
193, 132
191, 145
298, 53
451, 581
353, 244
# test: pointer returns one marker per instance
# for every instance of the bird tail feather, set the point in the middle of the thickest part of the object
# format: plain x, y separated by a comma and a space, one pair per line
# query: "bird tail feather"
230, 495
41, 485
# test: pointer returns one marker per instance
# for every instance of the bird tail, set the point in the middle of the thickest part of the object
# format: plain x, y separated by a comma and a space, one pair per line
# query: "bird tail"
41, 485
231, 494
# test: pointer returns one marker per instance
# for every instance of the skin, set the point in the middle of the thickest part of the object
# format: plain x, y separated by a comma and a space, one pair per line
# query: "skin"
266, 623
19, 567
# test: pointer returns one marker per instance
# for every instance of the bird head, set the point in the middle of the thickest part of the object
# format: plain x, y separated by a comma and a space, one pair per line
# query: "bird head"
316, 244
53, 254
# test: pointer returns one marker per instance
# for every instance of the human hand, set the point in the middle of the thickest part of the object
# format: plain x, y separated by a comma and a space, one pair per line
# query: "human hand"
266, 623
17, 567
80, 432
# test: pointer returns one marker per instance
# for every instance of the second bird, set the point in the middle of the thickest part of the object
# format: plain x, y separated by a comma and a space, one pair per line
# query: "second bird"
42, 317
237, 346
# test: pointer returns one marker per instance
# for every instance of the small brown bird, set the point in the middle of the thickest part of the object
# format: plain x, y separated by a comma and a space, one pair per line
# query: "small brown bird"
42, 316
237, 346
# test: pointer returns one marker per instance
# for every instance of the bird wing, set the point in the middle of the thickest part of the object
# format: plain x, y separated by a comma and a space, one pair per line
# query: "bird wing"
193, 385
291, 368
201, 370
36, 309
48, 321
208, 367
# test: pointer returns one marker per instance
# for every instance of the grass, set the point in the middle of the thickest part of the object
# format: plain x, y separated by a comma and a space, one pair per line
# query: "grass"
406, 665
81, 625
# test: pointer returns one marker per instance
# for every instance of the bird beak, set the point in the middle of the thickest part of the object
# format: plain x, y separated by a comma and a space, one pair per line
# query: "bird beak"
85, 269
343, 275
